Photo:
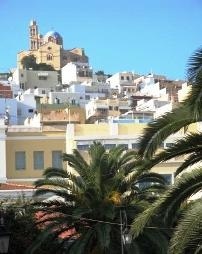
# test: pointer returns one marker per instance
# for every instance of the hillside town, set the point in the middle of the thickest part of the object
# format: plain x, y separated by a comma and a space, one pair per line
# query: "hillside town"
99, 156
69, 106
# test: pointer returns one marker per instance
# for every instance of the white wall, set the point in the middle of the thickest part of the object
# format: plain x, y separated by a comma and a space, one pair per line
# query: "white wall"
68, 73
149, 87
11, 106
26, 106
3, 177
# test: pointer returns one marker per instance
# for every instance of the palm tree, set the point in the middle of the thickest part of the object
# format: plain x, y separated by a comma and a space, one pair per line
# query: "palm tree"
188, 112
90, 198
169, 205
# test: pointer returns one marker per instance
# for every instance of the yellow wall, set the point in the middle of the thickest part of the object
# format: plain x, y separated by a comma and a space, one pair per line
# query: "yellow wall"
104, 129
131, 129
41, 55
91, 129
29, 145
53, 139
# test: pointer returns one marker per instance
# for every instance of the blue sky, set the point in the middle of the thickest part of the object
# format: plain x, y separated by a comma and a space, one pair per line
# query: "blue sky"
121, 35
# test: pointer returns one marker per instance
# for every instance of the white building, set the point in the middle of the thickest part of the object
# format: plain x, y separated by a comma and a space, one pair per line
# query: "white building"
103, 109
8, 109
149, 87
80, 93
76, 72
33, 79
26, 106
123, 82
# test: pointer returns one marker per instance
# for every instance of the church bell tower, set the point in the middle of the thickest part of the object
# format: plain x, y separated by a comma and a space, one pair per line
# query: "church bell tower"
33, 35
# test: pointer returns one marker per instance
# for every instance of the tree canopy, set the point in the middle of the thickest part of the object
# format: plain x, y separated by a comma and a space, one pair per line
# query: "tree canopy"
29, 62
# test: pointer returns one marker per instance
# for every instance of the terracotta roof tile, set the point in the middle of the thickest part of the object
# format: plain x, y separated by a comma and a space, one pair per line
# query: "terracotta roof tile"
13, 186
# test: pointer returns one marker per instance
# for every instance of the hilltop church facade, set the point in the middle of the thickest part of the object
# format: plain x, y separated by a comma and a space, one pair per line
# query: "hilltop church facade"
49, 49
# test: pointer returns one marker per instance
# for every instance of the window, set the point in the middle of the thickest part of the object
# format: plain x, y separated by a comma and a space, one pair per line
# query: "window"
22, 86
42, 78
21, 75
169, 144
19, 111
122, 77
57, 159
43, 91
168, 178
49, 57
116, 108
109, 146
125, 146
110, 108
20, 160
83, 147
135, 146
128, 78
38, 159
30, 110
162, 145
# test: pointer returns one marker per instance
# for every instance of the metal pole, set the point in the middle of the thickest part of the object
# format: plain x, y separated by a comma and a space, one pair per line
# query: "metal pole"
122, 249
68, 114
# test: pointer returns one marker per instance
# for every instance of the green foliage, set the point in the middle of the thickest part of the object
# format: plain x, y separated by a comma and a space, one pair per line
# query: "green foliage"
90, 196
187, 237
19, 221
29, 62
182, 220
100, 73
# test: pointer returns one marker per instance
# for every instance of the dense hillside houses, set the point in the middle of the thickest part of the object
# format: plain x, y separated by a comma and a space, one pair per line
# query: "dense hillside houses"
68, 105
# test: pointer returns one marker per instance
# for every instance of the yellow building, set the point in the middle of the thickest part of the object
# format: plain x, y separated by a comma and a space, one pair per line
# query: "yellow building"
80, 136
27, 151
49, 49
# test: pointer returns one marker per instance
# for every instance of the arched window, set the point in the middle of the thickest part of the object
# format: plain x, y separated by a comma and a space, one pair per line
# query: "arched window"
49, 57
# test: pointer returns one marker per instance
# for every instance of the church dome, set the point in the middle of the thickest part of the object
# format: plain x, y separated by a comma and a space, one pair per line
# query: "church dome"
54, 37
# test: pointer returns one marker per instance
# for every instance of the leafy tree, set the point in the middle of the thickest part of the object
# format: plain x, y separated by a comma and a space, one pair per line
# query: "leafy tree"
19, 221
44, 67
91, 196
29, 62
100, 73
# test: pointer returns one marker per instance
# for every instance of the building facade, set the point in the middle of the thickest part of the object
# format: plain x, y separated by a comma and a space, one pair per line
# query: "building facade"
49, 49
35, 79
26, 151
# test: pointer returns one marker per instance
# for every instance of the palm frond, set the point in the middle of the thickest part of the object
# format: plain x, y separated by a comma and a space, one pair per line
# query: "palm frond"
61, 193
191, 143
188, 233
103, 231
151, 177
55, 172
190, 161
194, 65
82, 243
56, 183
167, 205
158, 130
78, 163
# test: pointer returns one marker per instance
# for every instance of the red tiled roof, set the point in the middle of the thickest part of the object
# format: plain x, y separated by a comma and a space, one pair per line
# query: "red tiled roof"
40, 216
14, 186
